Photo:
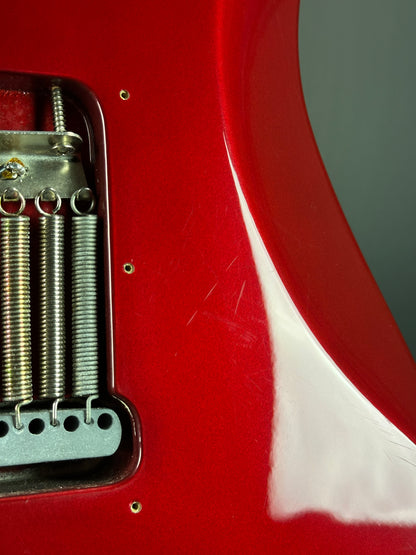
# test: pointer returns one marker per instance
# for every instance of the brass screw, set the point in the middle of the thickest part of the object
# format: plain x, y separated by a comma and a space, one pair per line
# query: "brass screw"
135, 507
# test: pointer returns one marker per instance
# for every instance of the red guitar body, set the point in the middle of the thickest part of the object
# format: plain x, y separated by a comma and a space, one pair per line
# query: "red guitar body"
215, 183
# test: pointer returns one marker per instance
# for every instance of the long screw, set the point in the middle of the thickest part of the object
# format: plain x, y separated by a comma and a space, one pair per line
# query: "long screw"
64, 145
58, 109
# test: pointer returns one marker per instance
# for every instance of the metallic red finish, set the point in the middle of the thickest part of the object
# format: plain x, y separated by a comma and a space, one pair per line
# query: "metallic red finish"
191, 337
301, 222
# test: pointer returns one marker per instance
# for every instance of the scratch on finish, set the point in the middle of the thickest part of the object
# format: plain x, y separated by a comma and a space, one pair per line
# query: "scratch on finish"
239, 297
407, 461
192, 317
187, 220
244, 334
255, 384
231, 263
210, 291
400, 445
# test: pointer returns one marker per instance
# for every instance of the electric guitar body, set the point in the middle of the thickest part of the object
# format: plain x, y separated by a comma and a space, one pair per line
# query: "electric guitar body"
257, 390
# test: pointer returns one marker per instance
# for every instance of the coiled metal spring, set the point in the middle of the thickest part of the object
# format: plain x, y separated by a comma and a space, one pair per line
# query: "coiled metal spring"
15, 297
84, 306
52, 302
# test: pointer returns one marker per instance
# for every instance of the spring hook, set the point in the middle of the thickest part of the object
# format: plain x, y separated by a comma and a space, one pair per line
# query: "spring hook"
15, 297
84, 301
52, 301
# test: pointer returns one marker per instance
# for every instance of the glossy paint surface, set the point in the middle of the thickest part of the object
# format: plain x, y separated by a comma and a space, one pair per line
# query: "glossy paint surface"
215, 136
321, 418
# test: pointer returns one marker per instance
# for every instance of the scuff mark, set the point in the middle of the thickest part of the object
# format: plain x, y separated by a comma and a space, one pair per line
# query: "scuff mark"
191, 318
255, 384
400, 444
231, 263
239, 297
210, 291
407, 461
244, 334
188, 220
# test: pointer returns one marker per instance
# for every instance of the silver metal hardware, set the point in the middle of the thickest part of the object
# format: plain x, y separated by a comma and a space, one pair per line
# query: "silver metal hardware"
52, 301
12, 169
58, 109
64, 146
12, 195
47, 432
16, 317
86, 196
48, 194
84, 307
38, 153
38, 441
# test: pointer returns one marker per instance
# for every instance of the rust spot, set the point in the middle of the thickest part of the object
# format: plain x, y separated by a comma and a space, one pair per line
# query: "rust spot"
8, 171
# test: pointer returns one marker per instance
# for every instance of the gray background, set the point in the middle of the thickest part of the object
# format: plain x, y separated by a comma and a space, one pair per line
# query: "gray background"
358, 68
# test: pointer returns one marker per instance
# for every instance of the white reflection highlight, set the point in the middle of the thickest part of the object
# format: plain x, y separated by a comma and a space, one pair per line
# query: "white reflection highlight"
332, 451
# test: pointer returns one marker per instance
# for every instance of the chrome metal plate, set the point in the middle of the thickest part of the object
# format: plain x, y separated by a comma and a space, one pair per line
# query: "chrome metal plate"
33, 160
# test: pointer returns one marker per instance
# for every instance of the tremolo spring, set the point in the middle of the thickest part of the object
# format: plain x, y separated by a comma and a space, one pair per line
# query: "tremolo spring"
84, 306
52, 306
15, 297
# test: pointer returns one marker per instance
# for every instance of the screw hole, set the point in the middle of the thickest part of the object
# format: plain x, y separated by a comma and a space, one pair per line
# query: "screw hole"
135, 507
128, 268
4, 428
105, 421
36, 426
124, 95
71, 423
